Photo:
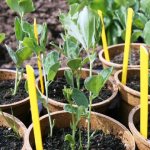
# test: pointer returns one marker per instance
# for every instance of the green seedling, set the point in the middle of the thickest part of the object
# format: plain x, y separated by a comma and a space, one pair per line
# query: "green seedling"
74, 96
85, 27
50, 67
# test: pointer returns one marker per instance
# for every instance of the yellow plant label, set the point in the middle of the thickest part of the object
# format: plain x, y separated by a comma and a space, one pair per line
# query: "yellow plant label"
104, 40
144, 91
127, 45
34, 107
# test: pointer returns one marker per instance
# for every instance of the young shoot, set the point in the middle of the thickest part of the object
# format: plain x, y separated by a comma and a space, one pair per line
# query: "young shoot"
51, 65
74, 96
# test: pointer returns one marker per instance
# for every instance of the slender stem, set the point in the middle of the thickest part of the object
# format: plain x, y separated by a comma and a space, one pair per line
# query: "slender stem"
16, 81
90, 108
46, 90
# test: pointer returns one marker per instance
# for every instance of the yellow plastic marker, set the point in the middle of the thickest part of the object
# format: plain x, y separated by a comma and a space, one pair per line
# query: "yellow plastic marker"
34, 107
104, 37
39, 59
144, 91
127, 45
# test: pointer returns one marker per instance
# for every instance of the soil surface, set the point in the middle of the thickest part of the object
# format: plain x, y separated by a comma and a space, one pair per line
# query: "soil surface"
56, 87
134, 83
100, 140
6, 88
133, 60
9, 139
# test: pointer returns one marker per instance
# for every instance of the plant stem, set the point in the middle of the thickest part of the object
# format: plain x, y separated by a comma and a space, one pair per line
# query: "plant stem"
46, 90
16, 81
90, 107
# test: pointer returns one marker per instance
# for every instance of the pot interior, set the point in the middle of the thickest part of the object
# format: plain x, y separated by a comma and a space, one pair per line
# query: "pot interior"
130, 73
118, 49
100, 122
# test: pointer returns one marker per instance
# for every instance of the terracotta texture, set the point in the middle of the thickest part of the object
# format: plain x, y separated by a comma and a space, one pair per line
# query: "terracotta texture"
20, 108
20, 126
98, 107
98, 121
113, 51
134, 118
129, 97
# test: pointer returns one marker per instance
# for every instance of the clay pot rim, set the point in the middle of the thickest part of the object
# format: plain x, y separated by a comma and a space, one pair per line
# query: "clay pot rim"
119, 66
132, 126
114, 92
61, 112
128, 89
18, 102
21, 125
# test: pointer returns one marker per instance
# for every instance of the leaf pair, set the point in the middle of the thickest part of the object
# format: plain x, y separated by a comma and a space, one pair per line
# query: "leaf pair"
86, 29
51, 65
21, 6
96, 82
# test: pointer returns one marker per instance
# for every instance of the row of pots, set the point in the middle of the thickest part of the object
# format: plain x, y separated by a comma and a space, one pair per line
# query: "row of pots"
98, 121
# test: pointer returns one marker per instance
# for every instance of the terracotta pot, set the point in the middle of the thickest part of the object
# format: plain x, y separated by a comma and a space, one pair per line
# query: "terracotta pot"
98, 121
130, 98
20, 108
134, 119
20, 126
115, 50
98, 107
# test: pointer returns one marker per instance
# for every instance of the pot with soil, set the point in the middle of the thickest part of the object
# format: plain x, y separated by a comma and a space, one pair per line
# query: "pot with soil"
134, 125
109, 133
9, 138
116, 56
19, 103
130, 93
57, 101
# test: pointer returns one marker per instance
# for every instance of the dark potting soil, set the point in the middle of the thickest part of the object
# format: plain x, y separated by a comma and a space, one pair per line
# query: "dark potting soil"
6, 88
9, 139
100, 140
56, 87
133, 60
134, 83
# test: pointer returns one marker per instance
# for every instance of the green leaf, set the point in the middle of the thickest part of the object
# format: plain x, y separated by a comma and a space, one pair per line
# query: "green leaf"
105, 73
43, 39
53, 71
2, 37
135, 35
79, 98
139, 20
12, 54
72, 28
51, 59
69, 77
74, 64
145, 7
71, 47
88, 22
26, 6
94, 84
21, 6
18, 30
23, 54
146, 33
69, 138
69, 108
85, 61
28, 29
